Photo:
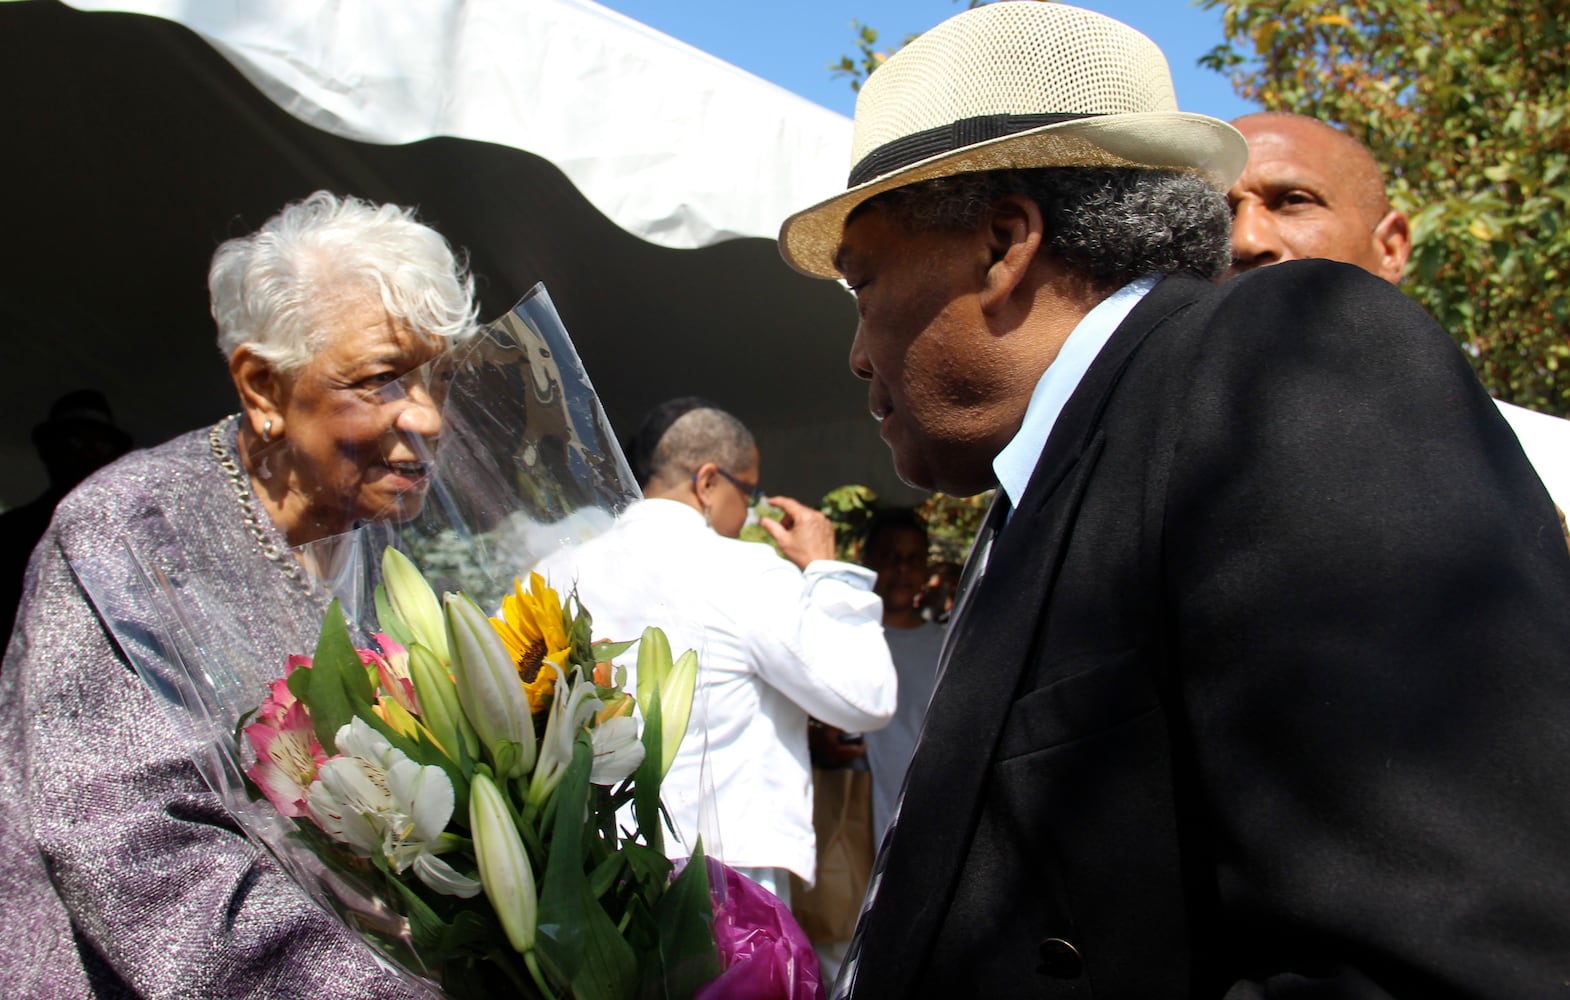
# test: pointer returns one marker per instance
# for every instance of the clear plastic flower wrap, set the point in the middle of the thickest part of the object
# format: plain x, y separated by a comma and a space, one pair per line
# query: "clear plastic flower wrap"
452, 765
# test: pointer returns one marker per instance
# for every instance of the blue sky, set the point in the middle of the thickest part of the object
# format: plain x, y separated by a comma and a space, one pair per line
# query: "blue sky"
792, 43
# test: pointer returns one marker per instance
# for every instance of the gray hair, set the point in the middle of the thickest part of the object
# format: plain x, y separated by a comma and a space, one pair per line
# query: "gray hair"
1114, 224
269, 289
698, 436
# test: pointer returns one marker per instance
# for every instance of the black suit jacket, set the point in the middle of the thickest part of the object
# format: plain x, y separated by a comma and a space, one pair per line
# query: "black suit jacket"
1265, 690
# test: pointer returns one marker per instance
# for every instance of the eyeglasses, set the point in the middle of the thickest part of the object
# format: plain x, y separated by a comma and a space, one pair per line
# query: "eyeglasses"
752, 491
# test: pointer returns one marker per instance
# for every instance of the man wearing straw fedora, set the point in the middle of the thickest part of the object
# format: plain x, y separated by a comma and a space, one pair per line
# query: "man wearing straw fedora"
1258, 681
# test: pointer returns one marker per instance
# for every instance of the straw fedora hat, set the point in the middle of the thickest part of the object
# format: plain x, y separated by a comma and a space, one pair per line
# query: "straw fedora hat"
1009, 85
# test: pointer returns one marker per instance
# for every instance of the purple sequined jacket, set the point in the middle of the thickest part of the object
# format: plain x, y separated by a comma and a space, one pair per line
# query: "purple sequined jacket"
121, 873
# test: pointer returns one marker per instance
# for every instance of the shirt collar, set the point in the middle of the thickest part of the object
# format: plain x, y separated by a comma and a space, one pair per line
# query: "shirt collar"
1015, 464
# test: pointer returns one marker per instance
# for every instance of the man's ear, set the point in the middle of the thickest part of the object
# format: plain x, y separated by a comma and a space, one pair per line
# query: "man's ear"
1393, 240
260, 389
1013, 230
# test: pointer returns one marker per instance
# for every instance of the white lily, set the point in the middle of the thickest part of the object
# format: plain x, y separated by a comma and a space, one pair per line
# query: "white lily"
489, 690
671, 684
572, 707
414, 602
375, 799
617, 750
504, 865
676, 692
439, 708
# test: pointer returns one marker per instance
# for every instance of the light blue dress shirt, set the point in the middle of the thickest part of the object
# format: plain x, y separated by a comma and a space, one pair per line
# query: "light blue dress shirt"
1015, 463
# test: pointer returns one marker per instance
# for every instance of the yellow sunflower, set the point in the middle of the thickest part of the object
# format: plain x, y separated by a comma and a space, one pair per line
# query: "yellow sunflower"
532, 628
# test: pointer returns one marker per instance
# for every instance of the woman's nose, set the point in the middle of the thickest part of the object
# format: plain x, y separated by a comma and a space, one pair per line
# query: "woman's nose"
418, 414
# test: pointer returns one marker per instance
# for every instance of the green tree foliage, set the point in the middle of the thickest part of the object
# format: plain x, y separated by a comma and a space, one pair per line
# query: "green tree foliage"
868, 56
952, 522
1467, 105
857, 66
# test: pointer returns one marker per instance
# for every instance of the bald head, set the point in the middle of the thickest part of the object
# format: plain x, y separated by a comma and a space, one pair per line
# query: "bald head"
1310, 190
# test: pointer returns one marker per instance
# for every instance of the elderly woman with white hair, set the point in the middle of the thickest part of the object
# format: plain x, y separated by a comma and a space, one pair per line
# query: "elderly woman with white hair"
123, 874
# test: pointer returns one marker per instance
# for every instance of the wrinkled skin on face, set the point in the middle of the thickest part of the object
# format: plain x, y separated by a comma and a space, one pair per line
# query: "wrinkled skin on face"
353, 430
955, 329
939, 383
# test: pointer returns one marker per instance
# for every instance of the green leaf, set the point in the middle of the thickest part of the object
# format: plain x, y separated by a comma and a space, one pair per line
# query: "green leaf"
649, 870
576, 937
687, 957
604, 651
426, 927
605, 875
646, 780
1429, 257
329, 686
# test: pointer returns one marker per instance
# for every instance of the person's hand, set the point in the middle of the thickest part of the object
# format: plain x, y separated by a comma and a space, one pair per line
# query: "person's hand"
803, 534
828, 748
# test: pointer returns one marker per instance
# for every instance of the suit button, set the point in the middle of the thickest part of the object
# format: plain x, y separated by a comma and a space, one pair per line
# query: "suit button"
1060, 959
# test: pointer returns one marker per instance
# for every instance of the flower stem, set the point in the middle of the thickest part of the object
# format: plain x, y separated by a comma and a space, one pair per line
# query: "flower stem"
539, 977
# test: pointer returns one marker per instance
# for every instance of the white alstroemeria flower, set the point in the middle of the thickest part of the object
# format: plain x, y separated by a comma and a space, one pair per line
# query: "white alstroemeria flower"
375, 799
618, 750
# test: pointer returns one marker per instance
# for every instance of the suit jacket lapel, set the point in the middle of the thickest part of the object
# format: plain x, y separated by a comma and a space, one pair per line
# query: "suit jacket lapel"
988, 648
975, 563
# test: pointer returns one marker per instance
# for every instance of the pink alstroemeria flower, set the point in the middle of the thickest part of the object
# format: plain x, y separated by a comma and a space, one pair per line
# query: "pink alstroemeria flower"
392, 670
287, 753
279, 698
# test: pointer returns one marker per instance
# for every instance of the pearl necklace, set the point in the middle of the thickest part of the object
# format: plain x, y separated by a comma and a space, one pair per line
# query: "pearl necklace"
282, 558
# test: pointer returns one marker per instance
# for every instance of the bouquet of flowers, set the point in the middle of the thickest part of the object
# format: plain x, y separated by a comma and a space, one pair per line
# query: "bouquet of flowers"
469, 753
466, 781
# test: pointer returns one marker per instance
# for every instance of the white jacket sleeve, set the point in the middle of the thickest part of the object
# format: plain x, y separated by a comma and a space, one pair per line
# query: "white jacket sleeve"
818, 639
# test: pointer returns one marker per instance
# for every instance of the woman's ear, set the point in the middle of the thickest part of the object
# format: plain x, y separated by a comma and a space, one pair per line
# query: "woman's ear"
261, 392
704, 482
1013, 230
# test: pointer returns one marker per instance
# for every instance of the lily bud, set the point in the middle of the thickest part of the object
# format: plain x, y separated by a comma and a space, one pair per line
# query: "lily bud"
414, 602
439, 708
504, 865
654, 662
489, 690
676, 706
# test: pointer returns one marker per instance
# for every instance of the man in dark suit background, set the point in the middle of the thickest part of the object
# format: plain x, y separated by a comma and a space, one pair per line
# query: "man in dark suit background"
1257, 685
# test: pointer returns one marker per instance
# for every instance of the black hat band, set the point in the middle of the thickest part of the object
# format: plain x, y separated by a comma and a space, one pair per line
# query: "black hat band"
918, 146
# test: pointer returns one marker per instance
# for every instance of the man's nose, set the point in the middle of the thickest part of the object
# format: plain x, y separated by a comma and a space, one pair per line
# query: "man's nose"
1255, 239
859, 362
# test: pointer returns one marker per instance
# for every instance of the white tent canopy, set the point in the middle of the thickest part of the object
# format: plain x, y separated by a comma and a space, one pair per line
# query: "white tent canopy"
668, 142
641, 179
